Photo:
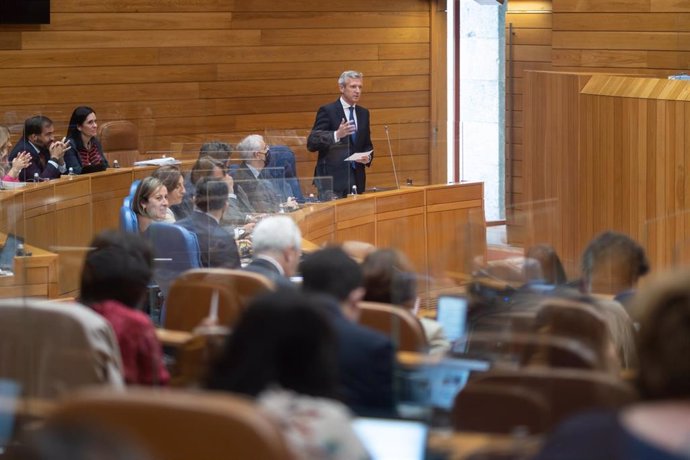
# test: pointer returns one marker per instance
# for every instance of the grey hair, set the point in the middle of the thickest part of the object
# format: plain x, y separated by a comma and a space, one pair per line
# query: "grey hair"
349, 74
276, 233
249, 145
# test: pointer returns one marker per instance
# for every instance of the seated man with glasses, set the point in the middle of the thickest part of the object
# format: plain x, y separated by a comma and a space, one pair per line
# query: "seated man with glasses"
255, 156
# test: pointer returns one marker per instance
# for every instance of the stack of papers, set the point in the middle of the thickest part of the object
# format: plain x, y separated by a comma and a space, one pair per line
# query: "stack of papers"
157, 162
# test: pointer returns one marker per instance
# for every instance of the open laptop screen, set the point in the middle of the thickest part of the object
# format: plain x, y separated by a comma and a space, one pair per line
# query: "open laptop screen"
391, 439
452, 315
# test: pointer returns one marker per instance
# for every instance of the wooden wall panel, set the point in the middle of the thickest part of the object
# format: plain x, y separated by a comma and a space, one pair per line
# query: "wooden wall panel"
629, 37
528, 48
191, 71
607, 154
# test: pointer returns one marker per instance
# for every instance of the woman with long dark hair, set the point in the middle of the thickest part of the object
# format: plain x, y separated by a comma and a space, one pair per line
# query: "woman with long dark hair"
85, 146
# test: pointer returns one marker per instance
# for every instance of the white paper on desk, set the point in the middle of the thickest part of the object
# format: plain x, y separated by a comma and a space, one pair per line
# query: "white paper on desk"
157, 162
359, 156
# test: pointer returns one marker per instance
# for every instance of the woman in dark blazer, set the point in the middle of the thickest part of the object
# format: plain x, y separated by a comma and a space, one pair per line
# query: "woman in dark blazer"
85, 147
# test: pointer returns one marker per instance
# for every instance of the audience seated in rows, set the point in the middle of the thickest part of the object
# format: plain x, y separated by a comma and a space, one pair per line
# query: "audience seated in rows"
365, 357
389, 278
9, 172
150, 202
277, 246
283, 353
216, 245
528, 298
47, 154
658, 427
114, 281
171, 177
84, 147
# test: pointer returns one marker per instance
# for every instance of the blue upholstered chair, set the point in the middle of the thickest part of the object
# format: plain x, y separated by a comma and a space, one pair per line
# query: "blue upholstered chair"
175, 250
128, 219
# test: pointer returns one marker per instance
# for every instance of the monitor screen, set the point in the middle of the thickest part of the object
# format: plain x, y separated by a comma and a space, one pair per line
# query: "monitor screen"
24, 11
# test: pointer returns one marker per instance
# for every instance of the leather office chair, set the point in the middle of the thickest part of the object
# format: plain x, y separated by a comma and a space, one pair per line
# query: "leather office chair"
566, 391
401, 325
120, 141
179, 425
50, 348
175, 249
489, 408
526, 349
191, 294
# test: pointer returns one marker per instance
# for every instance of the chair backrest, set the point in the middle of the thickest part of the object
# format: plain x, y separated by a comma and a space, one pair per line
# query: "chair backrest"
191, 294
401, 325
566, 391
179, 425
175, 250
50, 348
530, 349
120, 141
128, 220
127, 201
490, 408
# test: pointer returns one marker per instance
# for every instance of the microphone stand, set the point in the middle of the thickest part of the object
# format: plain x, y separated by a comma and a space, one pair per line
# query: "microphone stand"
390, 152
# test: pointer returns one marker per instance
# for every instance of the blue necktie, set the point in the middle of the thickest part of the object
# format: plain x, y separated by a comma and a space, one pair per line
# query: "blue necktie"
352, 119
353, 136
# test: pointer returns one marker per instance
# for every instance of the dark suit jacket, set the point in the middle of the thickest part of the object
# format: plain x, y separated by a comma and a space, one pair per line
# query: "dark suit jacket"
266, 268
331, 154
217, 246
39, 162
365, 361
262, 197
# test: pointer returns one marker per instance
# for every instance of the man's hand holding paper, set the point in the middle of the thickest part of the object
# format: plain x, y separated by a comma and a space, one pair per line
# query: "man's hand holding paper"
360, 157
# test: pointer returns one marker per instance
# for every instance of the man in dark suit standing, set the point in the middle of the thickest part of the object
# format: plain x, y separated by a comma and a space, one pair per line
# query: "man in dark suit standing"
341, 128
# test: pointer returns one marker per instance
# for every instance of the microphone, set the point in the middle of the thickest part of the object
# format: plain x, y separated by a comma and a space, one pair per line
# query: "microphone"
390, 152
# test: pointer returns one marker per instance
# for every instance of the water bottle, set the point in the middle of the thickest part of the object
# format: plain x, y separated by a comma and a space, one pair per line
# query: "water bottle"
116, 164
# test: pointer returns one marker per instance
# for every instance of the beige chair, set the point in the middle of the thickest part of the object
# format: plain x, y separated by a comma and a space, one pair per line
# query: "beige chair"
401, 325
50, 348
190, 297
527, 349
179, 425
488, 408
120, 141
566, 391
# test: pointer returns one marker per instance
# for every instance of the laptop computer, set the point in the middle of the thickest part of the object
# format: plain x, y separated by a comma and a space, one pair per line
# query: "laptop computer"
392, 439
9, 250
